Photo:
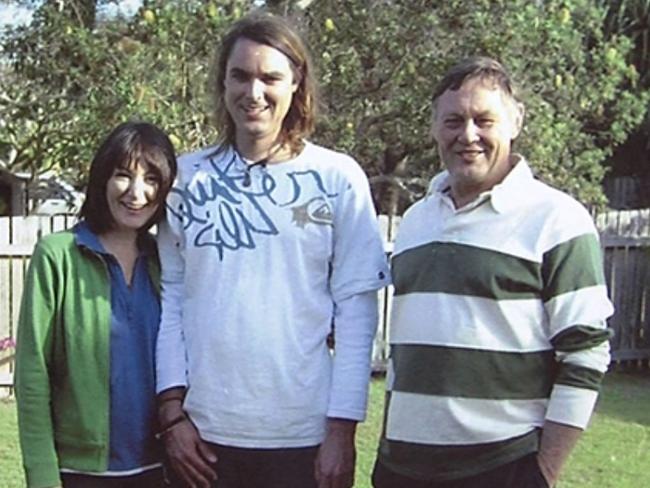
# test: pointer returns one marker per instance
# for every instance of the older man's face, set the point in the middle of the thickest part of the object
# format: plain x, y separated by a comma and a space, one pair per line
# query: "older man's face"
474, 127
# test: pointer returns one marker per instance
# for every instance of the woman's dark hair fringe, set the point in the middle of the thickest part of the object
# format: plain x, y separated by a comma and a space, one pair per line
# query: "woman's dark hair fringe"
128, 144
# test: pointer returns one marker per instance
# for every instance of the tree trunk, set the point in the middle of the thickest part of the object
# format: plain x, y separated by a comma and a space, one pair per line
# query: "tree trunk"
83, 12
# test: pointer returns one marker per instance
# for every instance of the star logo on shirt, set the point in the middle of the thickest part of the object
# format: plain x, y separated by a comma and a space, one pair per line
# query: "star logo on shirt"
316, 211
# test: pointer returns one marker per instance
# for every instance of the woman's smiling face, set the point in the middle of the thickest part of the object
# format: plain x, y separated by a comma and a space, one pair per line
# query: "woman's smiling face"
131, 195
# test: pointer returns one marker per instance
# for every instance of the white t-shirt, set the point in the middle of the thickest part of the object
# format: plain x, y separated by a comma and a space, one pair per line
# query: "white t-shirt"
257, 264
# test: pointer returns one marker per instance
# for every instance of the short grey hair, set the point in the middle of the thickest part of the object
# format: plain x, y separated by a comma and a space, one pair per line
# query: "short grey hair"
476, 67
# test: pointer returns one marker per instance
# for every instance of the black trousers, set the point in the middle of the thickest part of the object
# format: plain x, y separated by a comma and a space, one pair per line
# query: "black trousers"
522, 473
261, 468
265, 468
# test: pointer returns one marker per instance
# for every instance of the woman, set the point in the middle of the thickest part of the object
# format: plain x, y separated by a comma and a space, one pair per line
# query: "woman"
85, 382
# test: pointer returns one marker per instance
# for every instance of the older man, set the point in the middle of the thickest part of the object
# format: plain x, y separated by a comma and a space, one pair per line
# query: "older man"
499, 340
271, 243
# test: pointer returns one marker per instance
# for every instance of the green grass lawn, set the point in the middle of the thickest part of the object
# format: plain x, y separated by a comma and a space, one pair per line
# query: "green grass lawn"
11, 472
613, 453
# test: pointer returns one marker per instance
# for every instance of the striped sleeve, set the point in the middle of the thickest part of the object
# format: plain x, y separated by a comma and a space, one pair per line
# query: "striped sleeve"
575, 299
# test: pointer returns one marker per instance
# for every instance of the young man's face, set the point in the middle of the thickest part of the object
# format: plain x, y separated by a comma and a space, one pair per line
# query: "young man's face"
258, 89
474, 127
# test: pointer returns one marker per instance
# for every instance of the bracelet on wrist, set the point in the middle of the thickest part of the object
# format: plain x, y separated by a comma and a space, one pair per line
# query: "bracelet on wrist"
169, 426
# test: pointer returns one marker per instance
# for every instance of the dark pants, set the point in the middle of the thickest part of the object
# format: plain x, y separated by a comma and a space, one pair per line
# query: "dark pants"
265, 468
152, 478
522, 473
262, 468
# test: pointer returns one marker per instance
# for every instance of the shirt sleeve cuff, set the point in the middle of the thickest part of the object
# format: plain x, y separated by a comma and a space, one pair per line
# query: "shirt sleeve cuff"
357, 415
570, 405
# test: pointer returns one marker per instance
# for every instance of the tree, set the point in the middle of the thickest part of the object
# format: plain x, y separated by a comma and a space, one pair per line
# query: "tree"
631, 18
67, 82
379, 61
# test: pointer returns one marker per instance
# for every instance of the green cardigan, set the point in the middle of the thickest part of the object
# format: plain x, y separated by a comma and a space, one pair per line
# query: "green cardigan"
62, 360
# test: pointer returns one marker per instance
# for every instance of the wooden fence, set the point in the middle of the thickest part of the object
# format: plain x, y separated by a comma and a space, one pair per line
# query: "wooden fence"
625, 237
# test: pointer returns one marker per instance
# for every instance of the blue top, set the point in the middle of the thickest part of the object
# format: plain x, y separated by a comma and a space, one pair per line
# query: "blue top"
135, 316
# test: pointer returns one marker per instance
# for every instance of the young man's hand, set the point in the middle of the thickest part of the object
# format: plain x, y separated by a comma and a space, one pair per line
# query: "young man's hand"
336, 456
189, 456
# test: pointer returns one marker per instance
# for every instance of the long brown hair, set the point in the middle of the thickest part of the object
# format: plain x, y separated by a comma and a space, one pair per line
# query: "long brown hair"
273, 31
